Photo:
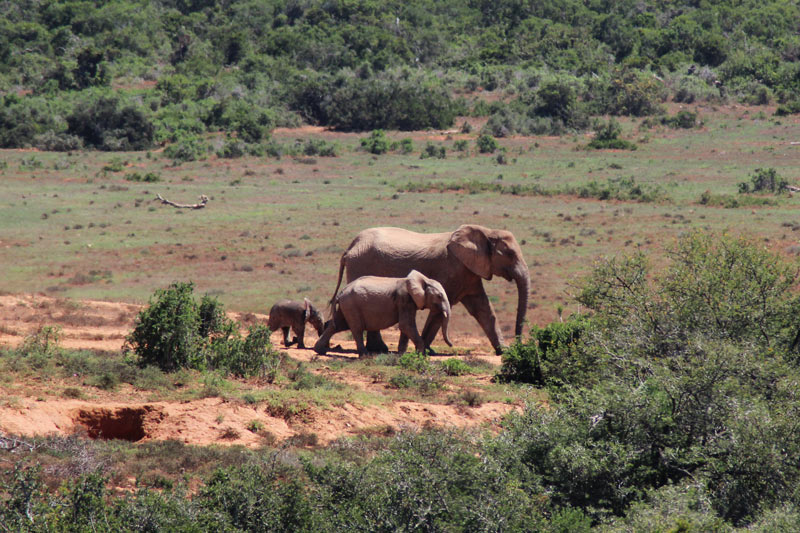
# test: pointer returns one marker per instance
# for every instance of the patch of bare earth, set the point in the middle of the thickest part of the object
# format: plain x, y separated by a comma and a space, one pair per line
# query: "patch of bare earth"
36, 408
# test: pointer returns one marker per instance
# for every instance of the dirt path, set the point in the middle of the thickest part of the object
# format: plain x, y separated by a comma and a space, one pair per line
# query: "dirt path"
38, 407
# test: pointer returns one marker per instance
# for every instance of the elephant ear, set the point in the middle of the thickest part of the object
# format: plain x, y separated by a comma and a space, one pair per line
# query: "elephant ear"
307, 309
470, 244
415, 285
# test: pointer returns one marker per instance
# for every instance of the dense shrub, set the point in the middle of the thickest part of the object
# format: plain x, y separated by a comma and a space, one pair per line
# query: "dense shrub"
376, 143
186, 148
486, 144
764, 180
57, 142
106, 123
355, 104
167, 332
28, 121
175, 332
432, 150
690, 384
607, 137
550, 356
682, 119
249, 122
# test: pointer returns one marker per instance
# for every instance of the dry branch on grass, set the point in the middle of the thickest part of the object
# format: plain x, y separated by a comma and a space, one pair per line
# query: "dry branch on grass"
199, 205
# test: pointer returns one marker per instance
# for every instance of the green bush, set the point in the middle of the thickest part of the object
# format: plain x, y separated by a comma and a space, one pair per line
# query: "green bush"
167, 333
174, 332
432, 150
406, 146
682, 119
320, 147
250, 123
551, 356
186, 148
765, 180
607, 137
377, 142
789, 108
415, 361
456, 367
249, 356
486, 144
232, 149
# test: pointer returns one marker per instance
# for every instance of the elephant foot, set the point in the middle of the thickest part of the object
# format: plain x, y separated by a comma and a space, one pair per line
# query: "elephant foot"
375, 343
321, 349
378, 348
301, 345
498, 350
431, 351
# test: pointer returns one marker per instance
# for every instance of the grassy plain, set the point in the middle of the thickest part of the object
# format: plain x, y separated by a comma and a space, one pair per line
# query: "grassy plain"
72, 225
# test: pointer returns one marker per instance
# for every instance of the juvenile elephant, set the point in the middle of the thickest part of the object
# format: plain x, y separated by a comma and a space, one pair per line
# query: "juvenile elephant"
373, 303
459, 260
287, 314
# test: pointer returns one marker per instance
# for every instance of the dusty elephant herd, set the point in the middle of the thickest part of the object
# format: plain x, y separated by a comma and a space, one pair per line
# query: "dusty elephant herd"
393, 272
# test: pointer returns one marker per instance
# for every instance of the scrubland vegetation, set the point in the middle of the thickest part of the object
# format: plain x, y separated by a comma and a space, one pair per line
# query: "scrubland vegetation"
664, 400
128, 75
673, 404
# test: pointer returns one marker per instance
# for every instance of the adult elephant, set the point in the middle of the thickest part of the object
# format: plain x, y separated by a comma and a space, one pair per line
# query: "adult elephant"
459, 260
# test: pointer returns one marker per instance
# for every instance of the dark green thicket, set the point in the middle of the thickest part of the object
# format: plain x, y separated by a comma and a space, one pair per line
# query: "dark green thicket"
105, 123
367, 65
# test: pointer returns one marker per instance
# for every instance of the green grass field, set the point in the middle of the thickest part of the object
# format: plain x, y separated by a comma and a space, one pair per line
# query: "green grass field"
71, 225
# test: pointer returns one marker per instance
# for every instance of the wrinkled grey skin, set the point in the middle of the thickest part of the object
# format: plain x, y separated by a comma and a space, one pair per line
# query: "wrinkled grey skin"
459, 260
292, 314
373, 303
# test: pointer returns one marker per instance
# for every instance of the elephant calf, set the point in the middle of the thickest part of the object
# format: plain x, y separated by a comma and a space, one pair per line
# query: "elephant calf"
372, 303
289, 313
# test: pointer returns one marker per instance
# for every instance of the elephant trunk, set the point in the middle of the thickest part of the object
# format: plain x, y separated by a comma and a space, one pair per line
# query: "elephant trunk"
445, 323
523, 280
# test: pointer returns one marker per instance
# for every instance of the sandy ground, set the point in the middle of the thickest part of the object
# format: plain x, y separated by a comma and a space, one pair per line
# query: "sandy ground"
36, 408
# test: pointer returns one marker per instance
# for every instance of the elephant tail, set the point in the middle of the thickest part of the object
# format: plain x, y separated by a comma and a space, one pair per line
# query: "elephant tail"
332, 303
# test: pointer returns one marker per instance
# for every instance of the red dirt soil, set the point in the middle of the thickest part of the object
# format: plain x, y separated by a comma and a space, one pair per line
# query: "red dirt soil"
38, 407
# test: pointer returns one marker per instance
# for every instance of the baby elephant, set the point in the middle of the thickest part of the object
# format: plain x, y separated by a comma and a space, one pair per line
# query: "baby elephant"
289, 313
372, 303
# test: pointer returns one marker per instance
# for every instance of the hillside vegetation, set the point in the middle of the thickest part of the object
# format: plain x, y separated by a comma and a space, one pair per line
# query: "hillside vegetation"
129, 75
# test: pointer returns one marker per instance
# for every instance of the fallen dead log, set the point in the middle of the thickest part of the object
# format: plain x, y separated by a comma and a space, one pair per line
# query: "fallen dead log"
792, 188
199, 205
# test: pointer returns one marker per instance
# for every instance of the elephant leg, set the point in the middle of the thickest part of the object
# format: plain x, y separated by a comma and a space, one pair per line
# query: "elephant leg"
402, 344
299, 333
375, 342
358, 335
410, 332
322, 344
430, 329
479, 306
286, 341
